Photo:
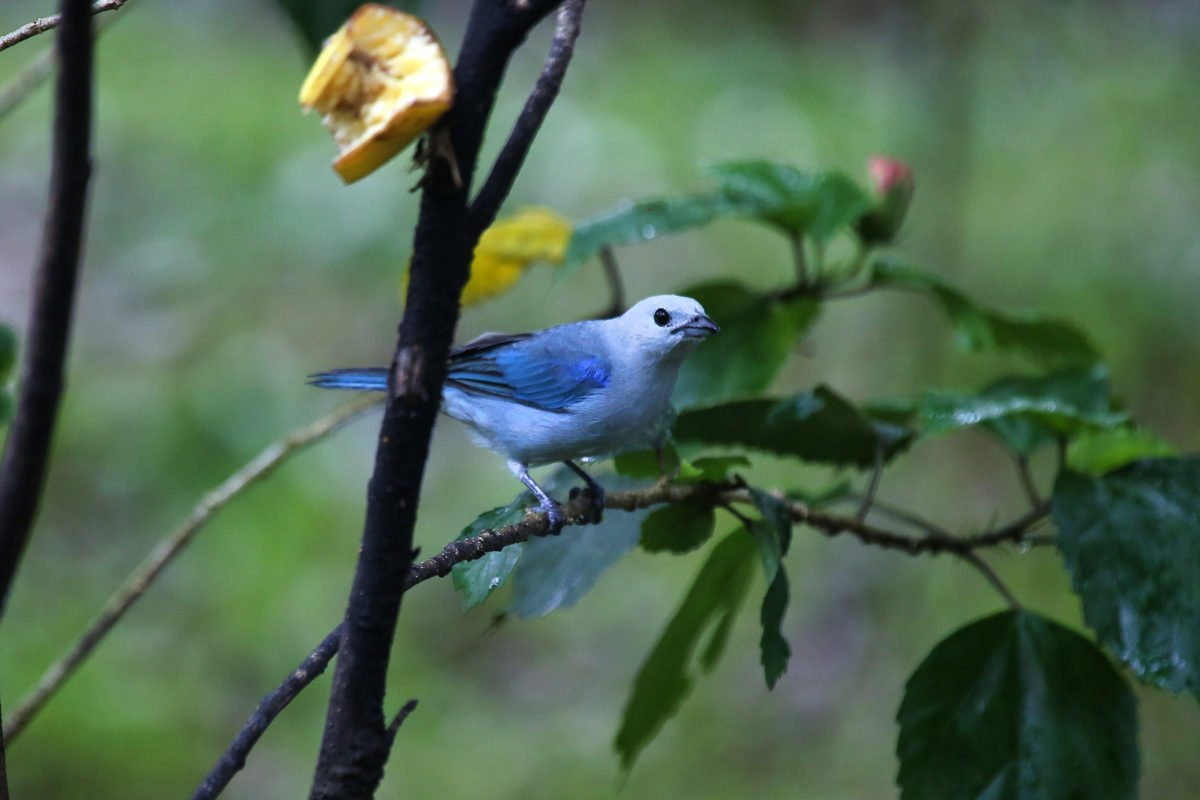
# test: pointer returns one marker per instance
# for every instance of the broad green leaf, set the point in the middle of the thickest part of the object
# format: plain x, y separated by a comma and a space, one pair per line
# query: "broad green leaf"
639, 222
818, 426
6, 406
477, 579
1097, 452
1131, 541
555, 571
315, 20
978, 328
1028, 412
678, 528
757, 334
8, 353
666, 677
823, 496
814, 204
1017, 707
774, 648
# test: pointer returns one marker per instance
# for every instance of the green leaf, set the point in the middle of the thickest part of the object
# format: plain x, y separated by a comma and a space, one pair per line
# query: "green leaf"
818, 426
666, 676
716, 468
1017, 707
8, 353
315, 20
814, 204
639, 222
978, 328
647, 464
774, 648
477, 579
1097, 452
1131, 541
6, 406
757, 335
823, 496
555, 571
678, 528
1028, 412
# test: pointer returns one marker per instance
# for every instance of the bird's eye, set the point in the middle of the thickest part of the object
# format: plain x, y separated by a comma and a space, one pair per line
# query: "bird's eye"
662, 317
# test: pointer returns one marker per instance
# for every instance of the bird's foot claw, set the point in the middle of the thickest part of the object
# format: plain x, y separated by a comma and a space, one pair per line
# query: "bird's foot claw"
554, 520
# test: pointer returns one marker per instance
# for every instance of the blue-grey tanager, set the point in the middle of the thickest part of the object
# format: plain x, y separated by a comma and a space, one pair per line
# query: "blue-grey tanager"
585, 389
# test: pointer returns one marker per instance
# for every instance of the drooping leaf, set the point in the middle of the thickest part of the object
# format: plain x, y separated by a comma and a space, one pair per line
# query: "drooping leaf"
477, 579
8, 353
314, 20
818, 426
666, 676
774, 648
555, 571
1097, 452
1017, 707
824, 495
978, 328
648, 464
774, 536
757, 334
1028, 412
642, 221
814, 204
716, 468
1131, 541
678, 528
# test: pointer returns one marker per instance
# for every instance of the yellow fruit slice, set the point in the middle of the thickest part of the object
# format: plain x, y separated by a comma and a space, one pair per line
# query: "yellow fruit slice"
379, 83
508, 248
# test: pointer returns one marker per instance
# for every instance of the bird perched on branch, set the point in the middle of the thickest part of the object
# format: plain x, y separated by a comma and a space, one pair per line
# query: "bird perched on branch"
585, 389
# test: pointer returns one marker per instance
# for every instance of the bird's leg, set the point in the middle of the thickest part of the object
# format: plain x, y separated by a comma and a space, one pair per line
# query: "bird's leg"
553, 514
595, 489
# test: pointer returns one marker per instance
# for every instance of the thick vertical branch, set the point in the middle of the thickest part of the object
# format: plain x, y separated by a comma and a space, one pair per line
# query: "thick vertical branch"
26, 453
356, 742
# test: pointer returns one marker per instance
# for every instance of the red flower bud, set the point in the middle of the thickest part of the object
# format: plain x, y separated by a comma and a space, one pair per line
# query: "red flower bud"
893, 181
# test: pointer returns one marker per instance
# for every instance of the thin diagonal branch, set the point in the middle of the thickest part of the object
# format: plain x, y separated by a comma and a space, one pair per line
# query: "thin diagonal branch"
27, 449
149, 571
44, 24
233, 759
512, 157
1027, 483
985, 569
616, 287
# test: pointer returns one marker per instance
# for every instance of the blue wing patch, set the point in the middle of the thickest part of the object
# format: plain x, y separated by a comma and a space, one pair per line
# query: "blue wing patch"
528, 370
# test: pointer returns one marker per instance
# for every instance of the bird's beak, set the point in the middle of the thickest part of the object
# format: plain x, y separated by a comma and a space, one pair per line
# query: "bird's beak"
698, 327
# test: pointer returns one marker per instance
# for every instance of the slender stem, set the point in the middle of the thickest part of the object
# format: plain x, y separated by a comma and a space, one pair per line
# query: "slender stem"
800, 261
27, 448
169, 547
43, 24
975, 560
864, 507
3, 770
398, 720
616, 287
1027, 484
512, 157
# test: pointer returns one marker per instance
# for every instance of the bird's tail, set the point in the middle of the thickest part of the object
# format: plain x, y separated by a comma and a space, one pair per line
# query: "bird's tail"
362, 379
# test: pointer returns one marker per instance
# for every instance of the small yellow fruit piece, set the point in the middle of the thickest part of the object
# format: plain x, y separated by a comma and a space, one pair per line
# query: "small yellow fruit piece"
379, 83
508, 248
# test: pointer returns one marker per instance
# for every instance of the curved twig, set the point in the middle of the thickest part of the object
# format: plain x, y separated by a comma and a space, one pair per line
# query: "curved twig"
44, 24
512, 156
145, 575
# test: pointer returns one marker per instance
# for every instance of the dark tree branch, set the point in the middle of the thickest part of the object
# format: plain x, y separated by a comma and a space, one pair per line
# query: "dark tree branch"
1027, 482
43, 24
234, 758
27, 449
355, 744
616, 287
398, 720
496, 188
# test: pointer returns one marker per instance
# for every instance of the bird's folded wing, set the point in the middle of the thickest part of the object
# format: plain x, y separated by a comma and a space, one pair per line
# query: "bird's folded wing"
549, 373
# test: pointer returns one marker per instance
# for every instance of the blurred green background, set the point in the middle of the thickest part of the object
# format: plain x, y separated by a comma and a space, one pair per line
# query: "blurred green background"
1054, 146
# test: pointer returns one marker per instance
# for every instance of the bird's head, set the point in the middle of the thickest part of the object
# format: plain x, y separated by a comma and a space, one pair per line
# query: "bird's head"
666, 325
